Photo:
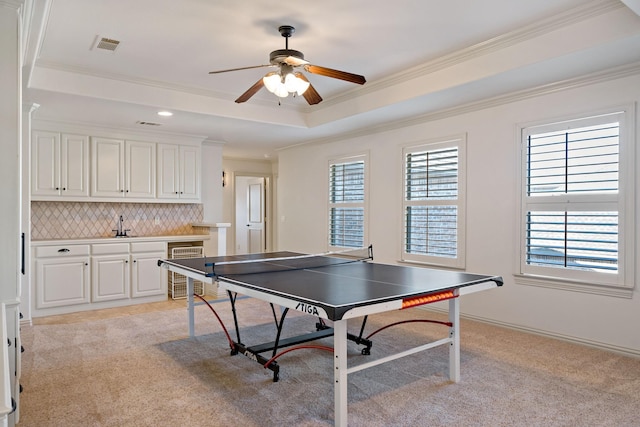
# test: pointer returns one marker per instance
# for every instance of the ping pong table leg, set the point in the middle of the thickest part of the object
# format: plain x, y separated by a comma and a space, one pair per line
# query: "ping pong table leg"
190, 306
340, 372
454, 334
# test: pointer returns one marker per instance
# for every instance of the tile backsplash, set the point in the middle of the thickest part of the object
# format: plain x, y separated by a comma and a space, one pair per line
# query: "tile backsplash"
76, 220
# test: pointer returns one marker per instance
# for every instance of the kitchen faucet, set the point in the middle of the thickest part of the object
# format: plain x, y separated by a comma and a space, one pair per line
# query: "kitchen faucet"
120, 232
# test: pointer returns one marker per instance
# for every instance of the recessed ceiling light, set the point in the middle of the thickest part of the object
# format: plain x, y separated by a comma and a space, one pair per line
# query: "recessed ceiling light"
165, 113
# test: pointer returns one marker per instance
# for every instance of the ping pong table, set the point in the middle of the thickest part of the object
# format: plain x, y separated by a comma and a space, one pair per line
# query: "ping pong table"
334, 288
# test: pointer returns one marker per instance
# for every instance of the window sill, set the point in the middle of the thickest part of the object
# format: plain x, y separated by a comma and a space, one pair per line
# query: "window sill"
574, 286
426, 264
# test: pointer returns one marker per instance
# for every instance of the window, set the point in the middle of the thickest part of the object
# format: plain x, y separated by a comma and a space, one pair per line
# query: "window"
433, 204
577, 201
347, 178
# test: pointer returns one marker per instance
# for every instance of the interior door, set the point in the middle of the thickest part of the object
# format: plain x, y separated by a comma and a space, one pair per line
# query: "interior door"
255, 215
250, 215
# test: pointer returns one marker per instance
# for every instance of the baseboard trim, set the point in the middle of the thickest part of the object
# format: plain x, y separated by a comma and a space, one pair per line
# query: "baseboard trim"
625, 351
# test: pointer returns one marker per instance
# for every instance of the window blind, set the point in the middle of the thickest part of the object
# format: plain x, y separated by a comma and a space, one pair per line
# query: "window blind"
431, 220
576, 240
581, 166
431, 230
583, 160
432, 175
346, 227
346, 204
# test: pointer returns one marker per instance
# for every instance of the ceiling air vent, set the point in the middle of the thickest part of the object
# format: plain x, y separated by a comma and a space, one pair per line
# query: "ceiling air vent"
104, 43
148, 123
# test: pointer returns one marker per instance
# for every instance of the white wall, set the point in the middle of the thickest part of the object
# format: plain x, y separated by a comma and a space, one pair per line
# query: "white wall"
492, 207
10, 161
211, 190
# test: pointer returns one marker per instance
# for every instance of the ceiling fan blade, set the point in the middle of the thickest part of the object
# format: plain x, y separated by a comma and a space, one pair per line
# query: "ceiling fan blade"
311, 95
250, 92
294, 61
241, 68
336, 74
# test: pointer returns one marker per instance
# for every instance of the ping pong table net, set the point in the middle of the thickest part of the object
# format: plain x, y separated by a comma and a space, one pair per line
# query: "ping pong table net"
289, 263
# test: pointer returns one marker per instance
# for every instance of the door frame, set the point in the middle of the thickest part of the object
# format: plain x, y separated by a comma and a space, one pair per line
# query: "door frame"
268, 207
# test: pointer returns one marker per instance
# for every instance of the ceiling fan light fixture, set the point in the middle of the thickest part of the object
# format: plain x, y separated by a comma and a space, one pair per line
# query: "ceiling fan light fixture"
282, 87
281, 91
294, 84
272, 81
302, 86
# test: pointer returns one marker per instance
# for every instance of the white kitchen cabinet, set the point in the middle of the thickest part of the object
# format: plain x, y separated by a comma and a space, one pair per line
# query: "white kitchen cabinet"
8, 365
59, 165
140, 169
12, 323
146, 277
122, 169
110, 272
62, 276
179, 172
89, 274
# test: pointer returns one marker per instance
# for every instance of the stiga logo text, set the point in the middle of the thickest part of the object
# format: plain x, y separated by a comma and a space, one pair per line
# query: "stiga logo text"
250, 355
307, 308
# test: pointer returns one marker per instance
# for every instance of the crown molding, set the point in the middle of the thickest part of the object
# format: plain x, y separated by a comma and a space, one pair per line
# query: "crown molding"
98, 129
193, 90
496, 44
12, 4
586, 80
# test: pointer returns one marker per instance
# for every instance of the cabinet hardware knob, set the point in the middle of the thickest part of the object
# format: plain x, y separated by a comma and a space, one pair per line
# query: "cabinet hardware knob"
64, 188
57, 188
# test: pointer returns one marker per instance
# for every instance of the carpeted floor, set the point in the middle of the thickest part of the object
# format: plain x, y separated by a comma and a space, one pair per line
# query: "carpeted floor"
139, 368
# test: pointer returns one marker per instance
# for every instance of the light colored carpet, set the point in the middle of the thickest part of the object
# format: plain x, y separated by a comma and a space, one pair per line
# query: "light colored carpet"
139, 368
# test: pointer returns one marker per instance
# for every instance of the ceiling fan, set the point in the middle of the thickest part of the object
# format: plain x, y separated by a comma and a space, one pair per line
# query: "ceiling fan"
287, 79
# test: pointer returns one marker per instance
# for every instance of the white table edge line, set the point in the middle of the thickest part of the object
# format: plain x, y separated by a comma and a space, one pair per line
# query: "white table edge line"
405, 353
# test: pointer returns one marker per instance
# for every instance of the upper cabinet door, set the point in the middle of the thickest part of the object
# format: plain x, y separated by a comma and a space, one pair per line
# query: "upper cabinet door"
45, 163
190, 172
168, 167
140, 169
74, 165
107, 167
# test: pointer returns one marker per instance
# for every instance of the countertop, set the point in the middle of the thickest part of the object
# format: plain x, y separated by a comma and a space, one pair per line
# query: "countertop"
212, 224
90, 240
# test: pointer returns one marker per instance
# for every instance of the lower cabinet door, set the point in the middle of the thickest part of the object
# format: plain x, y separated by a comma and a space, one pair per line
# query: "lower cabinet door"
110, 277
147, 278
62, 281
